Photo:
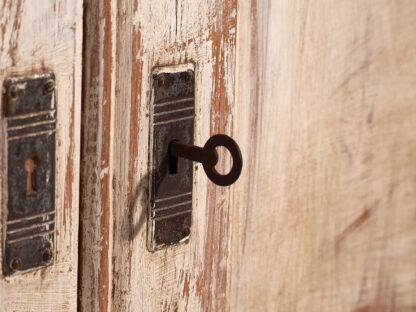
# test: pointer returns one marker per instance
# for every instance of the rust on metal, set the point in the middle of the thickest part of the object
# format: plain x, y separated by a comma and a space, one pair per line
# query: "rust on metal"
172, 118
208, 156
29, 112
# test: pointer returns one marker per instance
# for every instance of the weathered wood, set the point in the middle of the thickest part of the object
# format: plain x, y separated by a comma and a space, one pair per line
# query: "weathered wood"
38, 36
96, 162
323, 215
154, 33
125, 47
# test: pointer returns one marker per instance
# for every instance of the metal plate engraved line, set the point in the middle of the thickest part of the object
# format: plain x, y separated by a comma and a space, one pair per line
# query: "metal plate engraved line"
29, 112
172, 118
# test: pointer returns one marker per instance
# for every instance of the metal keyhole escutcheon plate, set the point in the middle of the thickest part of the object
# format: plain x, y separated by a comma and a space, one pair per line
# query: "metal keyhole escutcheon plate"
172, 151
172, 118
29, 115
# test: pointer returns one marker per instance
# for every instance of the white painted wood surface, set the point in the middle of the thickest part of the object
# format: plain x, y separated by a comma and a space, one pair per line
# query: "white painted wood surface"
96, 202
142, 35
324, 214
321, 98
155, 33
38, 36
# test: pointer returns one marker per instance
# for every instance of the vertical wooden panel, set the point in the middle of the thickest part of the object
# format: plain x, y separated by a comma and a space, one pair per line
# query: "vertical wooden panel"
96, 166
38, 36
324, 213
190, 277
123, 42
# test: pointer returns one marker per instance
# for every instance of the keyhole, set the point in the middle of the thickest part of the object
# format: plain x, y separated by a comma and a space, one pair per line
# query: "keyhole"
30, 166
173, 164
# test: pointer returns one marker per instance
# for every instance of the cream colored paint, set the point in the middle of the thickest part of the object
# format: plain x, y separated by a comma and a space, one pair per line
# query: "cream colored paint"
324, 212
322, 217
158, 279
46, 36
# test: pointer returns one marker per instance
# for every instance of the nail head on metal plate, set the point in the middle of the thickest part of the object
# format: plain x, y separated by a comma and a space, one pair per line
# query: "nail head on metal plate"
29, 116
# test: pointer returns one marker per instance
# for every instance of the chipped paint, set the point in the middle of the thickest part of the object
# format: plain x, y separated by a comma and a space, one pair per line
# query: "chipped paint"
53, 46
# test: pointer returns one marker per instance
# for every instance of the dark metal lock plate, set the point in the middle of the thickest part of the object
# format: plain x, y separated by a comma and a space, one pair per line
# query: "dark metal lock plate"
172, 118
29, 164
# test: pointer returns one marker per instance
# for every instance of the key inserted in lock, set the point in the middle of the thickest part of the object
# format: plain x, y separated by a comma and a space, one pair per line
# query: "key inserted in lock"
172, 118
171, 154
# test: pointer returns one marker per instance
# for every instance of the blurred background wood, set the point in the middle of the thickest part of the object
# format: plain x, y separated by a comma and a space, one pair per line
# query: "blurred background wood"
324, 214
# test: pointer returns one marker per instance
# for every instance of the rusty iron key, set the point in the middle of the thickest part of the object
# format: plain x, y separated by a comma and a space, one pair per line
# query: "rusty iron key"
208, 156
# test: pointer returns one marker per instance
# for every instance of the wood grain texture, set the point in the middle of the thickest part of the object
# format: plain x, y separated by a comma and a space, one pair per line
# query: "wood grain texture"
96, 162
38, 36
324, 214
123, 41
191, 277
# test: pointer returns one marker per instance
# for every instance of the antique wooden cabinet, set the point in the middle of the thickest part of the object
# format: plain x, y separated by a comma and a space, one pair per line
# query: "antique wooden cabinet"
320, 97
